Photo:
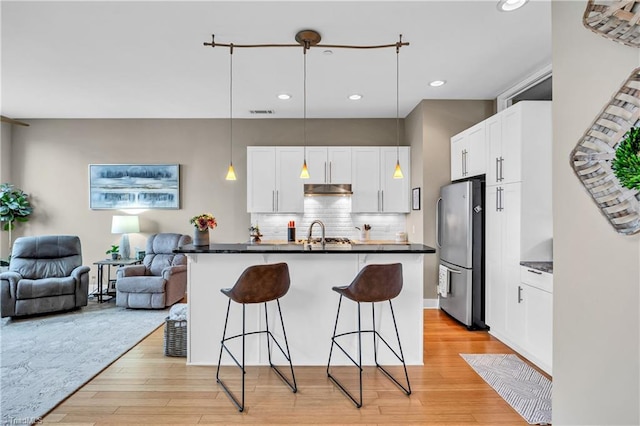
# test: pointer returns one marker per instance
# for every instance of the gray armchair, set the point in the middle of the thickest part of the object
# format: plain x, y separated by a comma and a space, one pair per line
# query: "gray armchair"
45, 275
160, 281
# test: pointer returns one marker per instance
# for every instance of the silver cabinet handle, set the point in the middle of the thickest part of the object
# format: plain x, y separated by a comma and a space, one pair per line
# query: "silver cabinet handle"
501, 199
497, 199
501, 169
277, 201
519, 294
462, 159
325, 172
438, 222
534, 272
381, 200
497, 170
273, 201
330, 174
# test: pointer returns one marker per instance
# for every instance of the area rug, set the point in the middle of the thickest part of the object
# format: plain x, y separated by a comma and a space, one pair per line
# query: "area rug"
526, 390
44, 359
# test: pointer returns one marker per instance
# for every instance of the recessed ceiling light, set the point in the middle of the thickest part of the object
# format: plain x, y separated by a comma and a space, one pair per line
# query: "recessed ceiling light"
355, 97
328, 52
510, 5
284, 96
437, 83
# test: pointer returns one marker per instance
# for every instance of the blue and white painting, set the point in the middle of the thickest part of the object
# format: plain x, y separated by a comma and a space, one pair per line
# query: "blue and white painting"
134, 186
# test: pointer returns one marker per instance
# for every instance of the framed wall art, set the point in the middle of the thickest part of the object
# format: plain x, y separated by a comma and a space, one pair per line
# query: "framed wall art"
415, 199
134, 186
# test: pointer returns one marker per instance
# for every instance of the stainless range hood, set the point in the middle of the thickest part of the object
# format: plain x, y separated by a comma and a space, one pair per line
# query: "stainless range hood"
343, 189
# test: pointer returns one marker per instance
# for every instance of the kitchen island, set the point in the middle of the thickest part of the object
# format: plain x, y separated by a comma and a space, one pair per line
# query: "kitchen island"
309, 308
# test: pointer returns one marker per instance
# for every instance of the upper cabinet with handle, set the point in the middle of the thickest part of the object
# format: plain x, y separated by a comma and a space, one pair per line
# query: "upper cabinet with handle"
374, 188
515, 142
273, 179
468, 154
329, 164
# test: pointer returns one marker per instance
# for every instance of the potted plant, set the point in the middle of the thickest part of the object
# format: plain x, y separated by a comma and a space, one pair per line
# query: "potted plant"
254, 234
14, 207
113, 251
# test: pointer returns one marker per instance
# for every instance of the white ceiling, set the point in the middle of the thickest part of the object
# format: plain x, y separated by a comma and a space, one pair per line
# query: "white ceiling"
89, 59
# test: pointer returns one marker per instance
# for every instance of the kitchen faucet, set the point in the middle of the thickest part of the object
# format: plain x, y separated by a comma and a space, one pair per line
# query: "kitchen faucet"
319, 222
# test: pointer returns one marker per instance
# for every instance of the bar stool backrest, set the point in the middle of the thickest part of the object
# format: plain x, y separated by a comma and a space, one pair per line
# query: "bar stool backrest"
261, 283
376, 283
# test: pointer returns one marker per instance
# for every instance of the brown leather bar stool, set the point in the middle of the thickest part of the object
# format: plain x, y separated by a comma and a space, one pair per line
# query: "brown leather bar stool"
374, 283
257, 284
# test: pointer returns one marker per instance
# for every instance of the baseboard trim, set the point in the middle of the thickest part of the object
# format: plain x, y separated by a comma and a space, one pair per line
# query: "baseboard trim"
430, 303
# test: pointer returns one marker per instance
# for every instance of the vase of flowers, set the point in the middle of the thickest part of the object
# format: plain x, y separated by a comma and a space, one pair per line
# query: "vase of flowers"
202, 223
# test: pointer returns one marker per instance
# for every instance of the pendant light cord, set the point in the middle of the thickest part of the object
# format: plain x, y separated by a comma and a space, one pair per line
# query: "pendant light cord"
231, 104
304, 97
398, 99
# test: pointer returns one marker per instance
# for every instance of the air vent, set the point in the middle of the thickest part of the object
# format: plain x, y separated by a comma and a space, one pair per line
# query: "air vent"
261, 111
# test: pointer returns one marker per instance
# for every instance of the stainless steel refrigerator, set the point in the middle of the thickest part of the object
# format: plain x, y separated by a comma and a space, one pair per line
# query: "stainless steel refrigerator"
459, 237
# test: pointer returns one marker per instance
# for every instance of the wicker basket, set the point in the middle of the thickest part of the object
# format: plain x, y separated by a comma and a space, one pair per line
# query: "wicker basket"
615, 20
175, 338
591, 158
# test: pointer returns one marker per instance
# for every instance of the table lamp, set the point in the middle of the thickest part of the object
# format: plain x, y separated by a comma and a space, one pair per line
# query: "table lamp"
125, 225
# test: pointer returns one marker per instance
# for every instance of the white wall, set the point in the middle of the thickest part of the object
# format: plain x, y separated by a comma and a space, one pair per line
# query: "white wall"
596, 352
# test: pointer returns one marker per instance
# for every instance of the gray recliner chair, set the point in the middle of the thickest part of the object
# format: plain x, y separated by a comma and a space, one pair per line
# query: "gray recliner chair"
45, 275
160, 281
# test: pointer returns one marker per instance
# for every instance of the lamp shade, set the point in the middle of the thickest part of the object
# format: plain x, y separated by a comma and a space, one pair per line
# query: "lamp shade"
125, 224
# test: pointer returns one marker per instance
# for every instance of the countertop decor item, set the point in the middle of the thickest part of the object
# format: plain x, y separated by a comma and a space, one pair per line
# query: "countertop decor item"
254, 234
626, 164
615, 20
594, 154
202, 223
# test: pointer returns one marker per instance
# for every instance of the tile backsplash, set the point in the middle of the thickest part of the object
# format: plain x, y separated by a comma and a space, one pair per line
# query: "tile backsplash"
335, 213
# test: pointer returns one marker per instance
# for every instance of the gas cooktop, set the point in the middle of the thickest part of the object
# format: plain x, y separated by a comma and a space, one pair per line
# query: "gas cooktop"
327, 240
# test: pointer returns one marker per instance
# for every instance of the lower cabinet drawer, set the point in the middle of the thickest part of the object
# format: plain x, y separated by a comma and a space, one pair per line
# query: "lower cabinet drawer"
535, 278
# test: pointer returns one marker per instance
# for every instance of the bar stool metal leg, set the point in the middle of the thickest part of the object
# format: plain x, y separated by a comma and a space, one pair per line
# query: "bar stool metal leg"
223, 346
291, 383
376, 337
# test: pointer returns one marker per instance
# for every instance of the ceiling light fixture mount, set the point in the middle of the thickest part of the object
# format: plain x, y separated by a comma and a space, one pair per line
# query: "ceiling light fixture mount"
309, 38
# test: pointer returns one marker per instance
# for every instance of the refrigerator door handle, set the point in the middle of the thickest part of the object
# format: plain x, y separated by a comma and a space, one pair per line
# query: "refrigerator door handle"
453, 270
438, 244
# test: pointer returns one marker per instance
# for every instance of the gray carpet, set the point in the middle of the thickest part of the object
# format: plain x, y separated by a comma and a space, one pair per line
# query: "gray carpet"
526, 390
46, 358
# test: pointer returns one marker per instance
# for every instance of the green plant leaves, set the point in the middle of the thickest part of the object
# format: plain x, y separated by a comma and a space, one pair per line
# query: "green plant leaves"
626, 164
14, 206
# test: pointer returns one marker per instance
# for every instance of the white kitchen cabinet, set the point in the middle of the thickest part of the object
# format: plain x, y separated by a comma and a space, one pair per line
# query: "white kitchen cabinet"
502, 255
519, 224
329, 164
531, 302
512, 136
273, 180
468, 153
374, 188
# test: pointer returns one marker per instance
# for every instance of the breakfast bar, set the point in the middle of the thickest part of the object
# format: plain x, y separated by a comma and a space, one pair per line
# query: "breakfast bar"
309, 308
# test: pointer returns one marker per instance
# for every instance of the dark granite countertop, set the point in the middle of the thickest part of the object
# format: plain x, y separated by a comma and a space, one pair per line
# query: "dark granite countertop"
539, 266
306, 248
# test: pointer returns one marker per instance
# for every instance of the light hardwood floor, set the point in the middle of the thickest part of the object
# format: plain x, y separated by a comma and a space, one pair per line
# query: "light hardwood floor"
145, 387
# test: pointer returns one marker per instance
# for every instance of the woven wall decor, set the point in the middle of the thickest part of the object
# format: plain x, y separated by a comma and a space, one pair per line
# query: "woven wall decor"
591, 158
615, 20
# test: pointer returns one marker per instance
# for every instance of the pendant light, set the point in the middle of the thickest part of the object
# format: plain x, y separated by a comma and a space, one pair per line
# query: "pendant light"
397, 173
231, 173
304, 173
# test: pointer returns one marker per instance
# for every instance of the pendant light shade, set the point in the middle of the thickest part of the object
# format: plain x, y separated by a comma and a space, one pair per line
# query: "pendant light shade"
304, 173
397, 173
231, 173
